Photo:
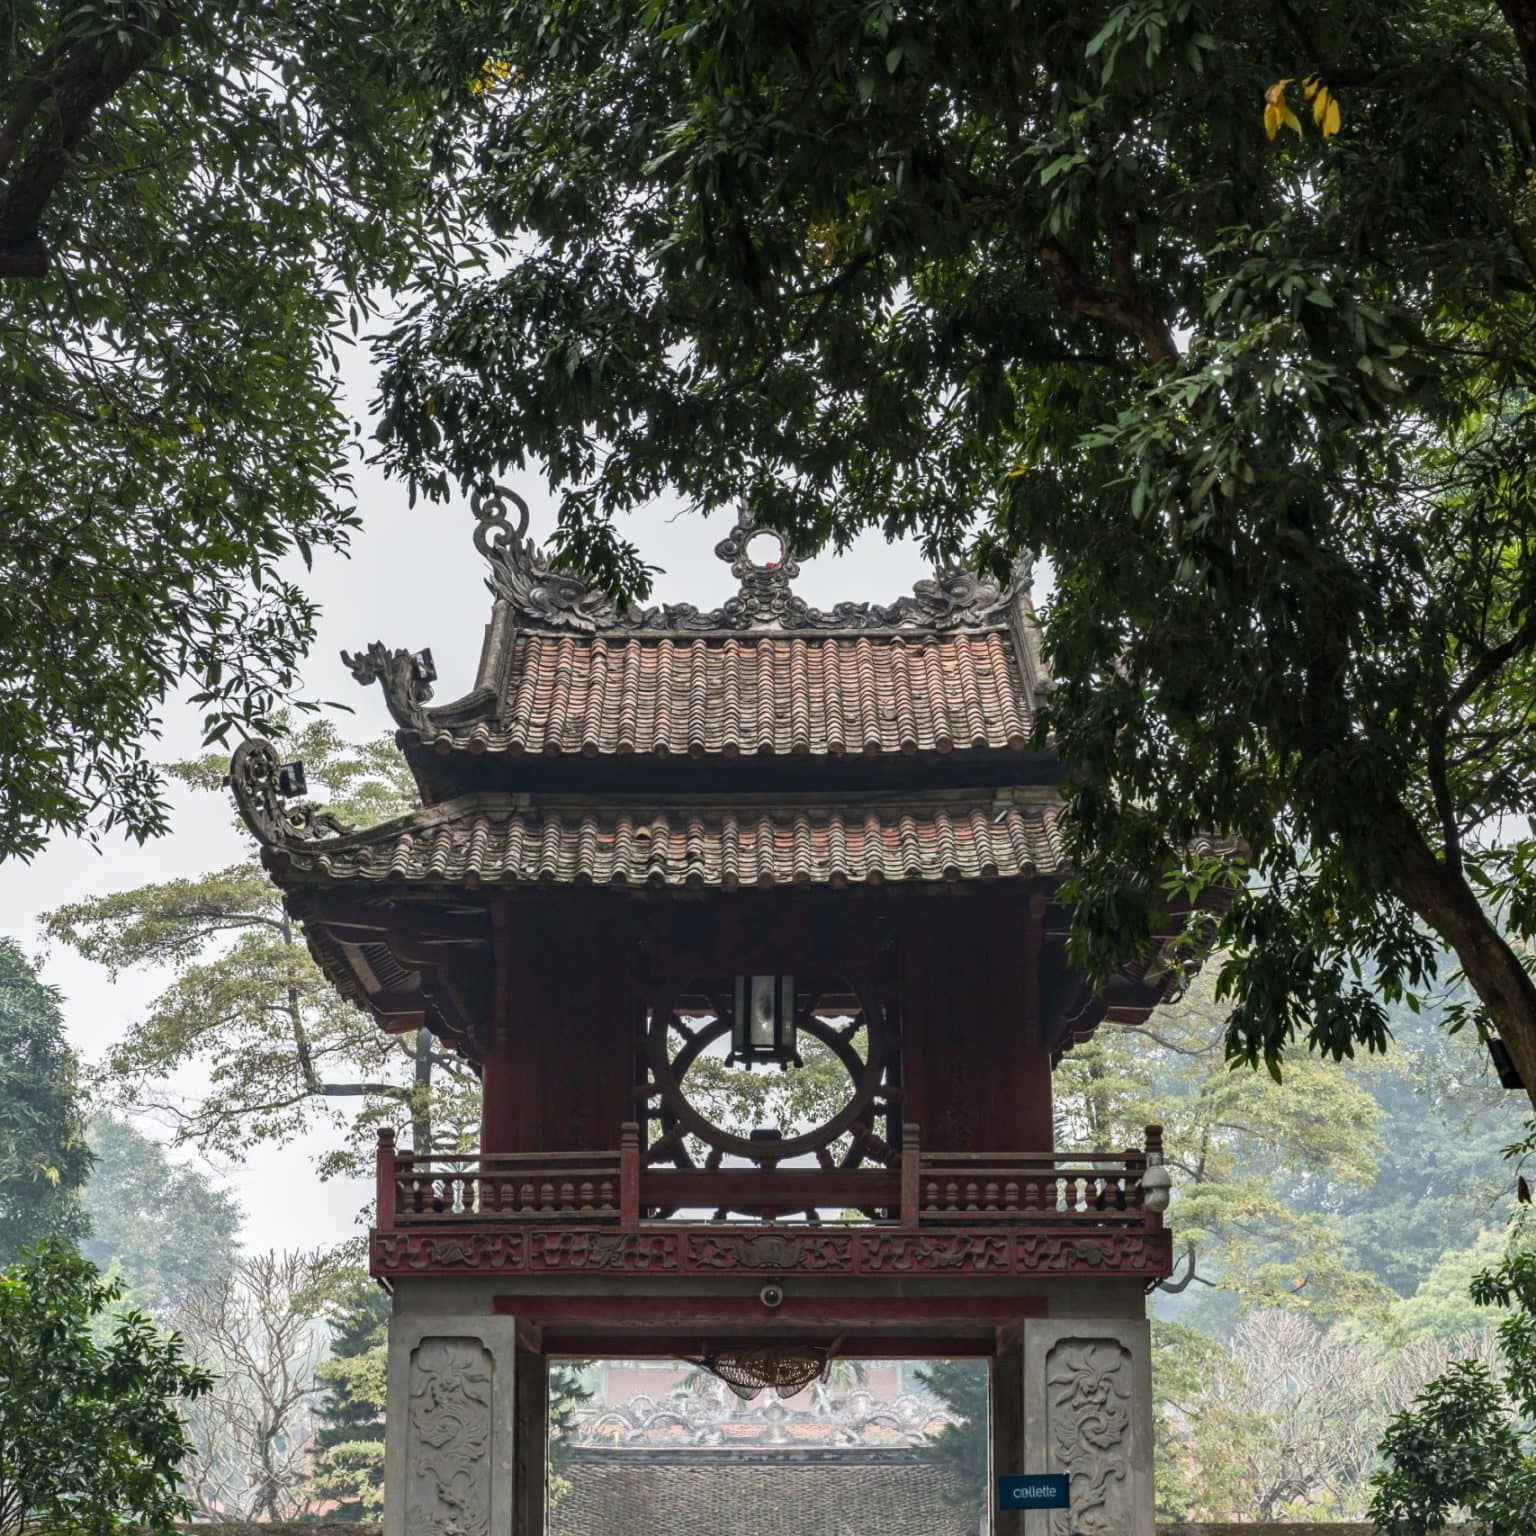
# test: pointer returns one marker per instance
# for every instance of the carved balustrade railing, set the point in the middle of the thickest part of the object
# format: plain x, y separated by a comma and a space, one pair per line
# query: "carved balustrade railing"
1050, 1190
989, 1188
445, 1190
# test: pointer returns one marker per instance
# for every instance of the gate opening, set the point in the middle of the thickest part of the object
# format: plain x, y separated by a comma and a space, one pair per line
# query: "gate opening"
895, 1446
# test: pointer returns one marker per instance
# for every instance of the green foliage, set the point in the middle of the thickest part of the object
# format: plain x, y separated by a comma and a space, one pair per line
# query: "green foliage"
1185, 1363
247, 1008
156, 1224
1242, 1150
1468, 1444
200, 204
566, 1395
90, 1437
1442, 1125
349, 1442
44, 1157
963, 1448
1009, 277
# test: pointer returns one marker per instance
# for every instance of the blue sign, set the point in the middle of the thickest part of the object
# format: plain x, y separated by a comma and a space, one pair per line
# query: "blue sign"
1041, 1490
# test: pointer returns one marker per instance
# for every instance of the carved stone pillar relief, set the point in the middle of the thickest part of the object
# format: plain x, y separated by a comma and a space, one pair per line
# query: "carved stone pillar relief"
1088, 1387
448, 1476
1088, 1412
449, 1457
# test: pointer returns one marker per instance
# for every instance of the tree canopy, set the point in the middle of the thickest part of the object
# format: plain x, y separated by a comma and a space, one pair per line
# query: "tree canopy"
279, 1049
160, 1226
91, 1439
198, 204
1037, 278
44, 1157
1466, 1446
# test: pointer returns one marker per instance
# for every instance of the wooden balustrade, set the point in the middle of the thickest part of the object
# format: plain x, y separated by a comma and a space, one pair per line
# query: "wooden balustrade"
542, 1187
923, 1189
1046, 1188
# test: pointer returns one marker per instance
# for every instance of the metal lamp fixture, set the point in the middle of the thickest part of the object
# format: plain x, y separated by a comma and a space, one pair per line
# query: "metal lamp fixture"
1156, 1185
290, 780
763, 1022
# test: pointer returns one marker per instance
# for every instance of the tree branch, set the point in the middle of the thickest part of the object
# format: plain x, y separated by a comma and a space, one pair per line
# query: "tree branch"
89, 75
1128, 310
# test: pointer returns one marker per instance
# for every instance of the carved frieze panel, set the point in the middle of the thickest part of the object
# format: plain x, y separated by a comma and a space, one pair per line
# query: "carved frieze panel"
636, 1252
1093, 1253
1089, 1395
938, 1254
448, 1468
395, 1252
770, 1252
712, 1250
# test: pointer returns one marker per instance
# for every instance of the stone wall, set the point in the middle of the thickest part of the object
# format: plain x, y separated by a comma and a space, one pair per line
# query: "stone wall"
1326, 1529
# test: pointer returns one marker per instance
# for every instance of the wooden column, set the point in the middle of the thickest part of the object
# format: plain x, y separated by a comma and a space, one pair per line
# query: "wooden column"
1007, 1447
530, 1439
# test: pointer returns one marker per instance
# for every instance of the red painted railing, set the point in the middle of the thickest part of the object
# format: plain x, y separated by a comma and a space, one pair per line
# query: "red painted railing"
922, 1189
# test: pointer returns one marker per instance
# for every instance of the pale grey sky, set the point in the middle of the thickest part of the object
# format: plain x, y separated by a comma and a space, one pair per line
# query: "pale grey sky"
413, 579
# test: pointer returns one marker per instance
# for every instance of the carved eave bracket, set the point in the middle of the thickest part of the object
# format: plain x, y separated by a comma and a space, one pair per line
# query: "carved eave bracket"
423, 972
543, 598
253, 776
406, 691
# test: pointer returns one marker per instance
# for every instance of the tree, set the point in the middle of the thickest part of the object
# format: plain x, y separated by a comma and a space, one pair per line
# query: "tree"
349, 1440
1442, 1125
199, 203
566, 1395
91, 1437
1247, 1155
1281, 1421
280, 1050
962, 1448
157, 1224
1467, 1443
44, 1158
254, 1330
1035, 278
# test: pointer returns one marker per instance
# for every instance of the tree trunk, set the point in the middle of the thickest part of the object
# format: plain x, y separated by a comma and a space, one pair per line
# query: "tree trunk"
1442, 898
421, 1098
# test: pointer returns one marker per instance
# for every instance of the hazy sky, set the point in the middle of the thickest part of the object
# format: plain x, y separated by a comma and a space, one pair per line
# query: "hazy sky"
414, 579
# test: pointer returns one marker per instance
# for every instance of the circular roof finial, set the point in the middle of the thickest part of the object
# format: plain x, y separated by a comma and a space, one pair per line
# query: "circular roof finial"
762, 561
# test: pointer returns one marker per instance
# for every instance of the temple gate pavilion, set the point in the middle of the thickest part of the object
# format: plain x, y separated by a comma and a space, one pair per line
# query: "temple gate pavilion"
652, 835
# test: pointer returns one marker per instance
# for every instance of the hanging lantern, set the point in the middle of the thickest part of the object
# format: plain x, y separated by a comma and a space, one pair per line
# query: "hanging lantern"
763, 1023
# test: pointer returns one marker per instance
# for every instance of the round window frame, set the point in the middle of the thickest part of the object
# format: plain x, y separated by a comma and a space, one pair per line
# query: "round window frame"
866, 1076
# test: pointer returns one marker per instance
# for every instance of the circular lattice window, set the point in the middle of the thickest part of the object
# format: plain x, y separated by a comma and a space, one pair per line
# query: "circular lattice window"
837, 1108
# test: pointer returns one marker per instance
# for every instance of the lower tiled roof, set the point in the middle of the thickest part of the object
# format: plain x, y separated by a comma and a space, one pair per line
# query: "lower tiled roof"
494, 839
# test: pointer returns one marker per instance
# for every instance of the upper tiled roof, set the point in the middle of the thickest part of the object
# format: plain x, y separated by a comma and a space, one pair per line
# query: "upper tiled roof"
766, 693
566, 671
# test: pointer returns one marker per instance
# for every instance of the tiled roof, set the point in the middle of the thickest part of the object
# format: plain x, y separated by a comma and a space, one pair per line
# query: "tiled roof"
689, 1493
487, 839
772, 693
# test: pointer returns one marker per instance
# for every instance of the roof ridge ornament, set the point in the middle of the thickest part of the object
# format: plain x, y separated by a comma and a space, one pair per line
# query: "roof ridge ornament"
762, 561
254, 778
543, 598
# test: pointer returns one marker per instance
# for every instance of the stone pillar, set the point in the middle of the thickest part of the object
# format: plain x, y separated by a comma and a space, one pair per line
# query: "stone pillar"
449, 1457
1088, 1412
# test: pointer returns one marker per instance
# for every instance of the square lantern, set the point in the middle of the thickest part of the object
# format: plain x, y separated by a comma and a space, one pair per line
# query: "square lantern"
763, 1022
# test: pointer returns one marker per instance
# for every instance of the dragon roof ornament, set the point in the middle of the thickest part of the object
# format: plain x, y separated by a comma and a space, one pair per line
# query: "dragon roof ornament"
253, 776
761, 560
